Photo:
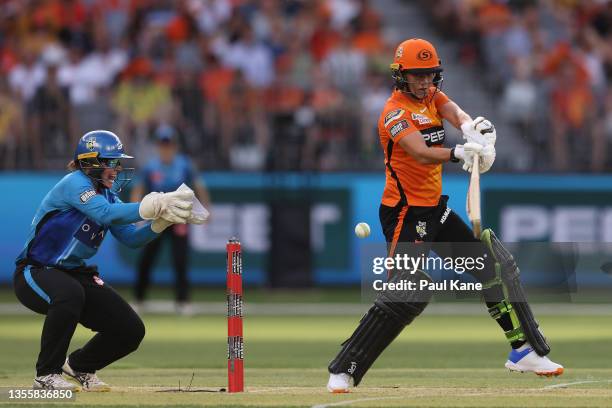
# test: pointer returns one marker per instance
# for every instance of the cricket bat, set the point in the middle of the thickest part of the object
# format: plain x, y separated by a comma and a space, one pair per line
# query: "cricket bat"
473, 197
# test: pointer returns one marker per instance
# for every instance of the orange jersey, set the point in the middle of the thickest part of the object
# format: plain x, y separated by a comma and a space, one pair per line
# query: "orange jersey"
409, 181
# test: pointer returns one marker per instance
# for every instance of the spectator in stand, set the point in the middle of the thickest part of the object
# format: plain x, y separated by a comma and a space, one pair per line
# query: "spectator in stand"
211, 14
189, 110
141, 102
283, 100
244, 129
324, 38
346, 67
519, 104
250, 56
53, 128
366, 26
11, 128
326, 134
25, 77
572, 108
215, 82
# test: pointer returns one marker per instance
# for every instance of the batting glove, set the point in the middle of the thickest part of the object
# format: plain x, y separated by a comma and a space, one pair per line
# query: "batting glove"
466, 152
487, 157
480, 131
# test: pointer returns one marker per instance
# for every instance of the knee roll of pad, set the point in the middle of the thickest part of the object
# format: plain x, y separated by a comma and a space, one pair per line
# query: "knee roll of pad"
408, 304
391, 312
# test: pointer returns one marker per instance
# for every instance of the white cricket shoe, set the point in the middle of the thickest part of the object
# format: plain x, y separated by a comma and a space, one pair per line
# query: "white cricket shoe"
339, 383
54, 382
89, 381
526, 359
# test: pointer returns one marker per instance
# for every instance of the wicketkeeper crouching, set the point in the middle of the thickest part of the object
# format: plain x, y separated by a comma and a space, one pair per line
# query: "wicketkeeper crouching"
52, 278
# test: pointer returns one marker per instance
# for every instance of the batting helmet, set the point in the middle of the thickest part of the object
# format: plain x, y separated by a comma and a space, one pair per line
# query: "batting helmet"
415, 56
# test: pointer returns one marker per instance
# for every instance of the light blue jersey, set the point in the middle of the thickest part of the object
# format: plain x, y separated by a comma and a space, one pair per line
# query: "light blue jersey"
166, 177
73, 219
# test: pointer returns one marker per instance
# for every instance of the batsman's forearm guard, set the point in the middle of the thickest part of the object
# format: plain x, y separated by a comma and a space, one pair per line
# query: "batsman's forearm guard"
391, 312
525, 326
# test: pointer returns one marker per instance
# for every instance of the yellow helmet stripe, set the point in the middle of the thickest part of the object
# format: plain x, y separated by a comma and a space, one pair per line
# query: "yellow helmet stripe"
87, 155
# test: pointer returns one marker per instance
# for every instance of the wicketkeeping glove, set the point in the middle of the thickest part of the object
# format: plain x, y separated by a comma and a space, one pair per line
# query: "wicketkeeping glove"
159, 225
174, 207
197, 215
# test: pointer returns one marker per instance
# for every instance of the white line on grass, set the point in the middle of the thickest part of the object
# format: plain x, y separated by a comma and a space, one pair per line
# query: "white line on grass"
553, 386
337, 404
340, 309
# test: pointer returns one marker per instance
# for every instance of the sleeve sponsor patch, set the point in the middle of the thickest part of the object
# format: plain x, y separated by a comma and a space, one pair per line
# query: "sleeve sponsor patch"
87, 195
394, 114
398, 127
422, 119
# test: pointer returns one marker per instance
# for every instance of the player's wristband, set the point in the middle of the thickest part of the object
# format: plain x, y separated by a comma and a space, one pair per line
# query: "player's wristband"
452, 156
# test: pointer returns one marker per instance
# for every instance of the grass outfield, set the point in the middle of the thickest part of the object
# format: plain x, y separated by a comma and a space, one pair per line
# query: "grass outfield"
438, 361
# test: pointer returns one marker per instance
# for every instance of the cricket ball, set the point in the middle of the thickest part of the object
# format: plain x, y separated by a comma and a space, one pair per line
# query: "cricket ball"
362, 230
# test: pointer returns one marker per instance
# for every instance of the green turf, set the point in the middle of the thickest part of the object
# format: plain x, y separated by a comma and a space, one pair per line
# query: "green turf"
217, 294
330, 295
438, 361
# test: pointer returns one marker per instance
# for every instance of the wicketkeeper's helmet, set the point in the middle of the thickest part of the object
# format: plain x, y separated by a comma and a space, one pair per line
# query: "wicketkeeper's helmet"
100, 149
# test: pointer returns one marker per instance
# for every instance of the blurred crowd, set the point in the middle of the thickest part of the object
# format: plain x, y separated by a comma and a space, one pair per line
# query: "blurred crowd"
549, 64
247, 84
288, 84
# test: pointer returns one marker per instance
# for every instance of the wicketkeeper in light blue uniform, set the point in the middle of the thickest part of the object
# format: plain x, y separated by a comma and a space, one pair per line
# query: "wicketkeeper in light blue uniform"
52, 277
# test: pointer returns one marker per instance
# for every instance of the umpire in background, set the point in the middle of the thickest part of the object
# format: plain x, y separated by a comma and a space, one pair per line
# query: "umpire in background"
165, 173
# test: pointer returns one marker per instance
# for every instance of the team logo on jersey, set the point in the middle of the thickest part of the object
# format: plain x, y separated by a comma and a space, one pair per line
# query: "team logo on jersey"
91, 143
398, 127
394, 114
422, 119
421, 229
86, 196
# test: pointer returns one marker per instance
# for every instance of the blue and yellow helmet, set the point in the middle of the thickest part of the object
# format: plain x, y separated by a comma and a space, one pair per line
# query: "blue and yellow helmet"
100, 149
101, 144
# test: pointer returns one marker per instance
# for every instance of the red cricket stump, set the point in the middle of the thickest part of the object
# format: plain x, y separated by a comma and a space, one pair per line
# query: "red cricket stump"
235, 344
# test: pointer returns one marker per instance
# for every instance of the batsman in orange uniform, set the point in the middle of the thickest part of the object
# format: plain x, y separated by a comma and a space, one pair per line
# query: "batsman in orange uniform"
413, 209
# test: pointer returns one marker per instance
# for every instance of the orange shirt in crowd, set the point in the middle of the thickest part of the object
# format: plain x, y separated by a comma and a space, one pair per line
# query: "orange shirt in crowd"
369, 42
407, 180
215, 82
